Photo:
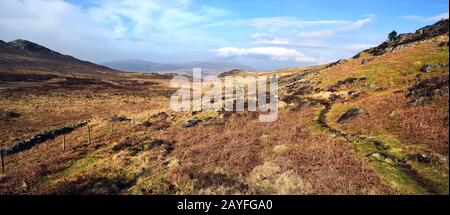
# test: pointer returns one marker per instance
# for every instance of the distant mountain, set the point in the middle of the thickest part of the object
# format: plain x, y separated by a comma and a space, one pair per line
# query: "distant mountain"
23, 55
208, 67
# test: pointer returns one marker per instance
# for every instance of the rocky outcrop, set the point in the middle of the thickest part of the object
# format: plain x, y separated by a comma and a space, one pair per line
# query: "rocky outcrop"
29, 46
402, 40
351, 80
424, 91
340, 61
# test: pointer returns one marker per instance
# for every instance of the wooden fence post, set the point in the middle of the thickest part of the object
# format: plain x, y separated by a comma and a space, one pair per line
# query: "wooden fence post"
64, 142
112, 132
89, 134
3, 163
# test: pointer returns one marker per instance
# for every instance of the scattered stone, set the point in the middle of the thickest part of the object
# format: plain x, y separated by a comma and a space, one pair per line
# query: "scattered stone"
426, 158
116, 118
443, 43
426, 68
347, 81
333, 97
190, 123
300, 90
376, 155
423, 158
424, 91
350, 114
369, 85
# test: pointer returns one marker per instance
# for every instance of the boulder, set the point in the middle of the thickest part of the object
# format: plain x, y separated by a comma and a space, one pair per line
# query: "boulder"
350, 114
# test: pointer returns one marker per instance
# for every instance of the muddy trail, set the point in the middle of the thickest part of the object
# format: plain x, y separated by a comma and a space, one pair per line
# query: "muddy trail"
399, 164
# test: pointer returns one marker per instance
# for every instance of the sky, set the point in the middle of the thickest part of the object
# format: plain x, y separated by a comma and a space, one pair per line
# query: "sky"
263, 34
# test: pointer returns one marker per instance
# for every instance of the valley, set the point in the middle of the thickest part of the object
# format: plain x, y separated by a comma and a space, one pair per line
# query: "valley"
374, 124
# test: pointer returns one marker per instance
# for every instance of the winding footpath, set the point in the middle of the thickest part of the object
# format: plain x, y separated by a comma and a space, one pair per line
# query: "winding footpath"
400, 165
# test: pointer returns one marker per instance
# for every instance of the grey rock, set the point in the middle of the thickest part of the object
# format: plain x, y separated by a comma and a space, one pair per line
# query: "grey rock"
190, 123
350, 114
426, 68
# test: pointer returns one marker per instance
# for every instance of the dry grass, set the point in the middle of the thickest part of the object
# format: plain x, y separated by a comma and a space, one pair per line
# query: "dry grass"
241, 148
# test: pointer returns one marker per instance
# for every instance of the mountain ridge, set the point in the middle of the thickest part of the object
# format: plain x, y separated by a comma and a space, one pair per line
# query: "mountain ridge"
209, 67
22, 54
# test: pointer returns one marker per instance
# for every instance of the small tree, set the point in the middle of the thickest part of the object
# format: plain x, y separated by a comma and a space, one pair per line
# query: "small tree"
392, 35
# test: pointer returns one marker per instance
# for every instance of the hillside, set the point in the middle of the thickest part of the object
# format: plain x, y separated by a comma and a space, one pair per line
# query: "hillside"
23, 55
377, 123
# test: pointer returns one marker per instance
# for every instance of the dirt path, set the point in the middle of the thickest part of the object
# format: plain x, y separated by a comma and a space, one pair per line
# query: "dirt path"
400, 165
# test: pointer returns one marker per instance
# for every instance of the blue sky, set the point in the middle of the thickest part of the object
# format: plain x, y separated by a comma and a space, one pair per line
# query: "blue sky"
264, 34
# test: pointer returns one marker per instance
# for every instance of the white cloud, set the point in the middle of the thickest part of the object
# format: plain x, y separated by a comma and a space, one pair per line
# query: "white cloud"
264, 38
332, 32
428, 19
370, 15
316, 34
275, 53
357, 25
275, 41
156, 19
105, 30
303, 38
280, 41
287, 22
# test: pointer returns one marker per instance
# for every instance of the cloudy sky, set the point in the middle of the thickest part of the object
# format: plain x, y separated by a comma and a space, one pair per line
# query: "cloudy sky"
264, 34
